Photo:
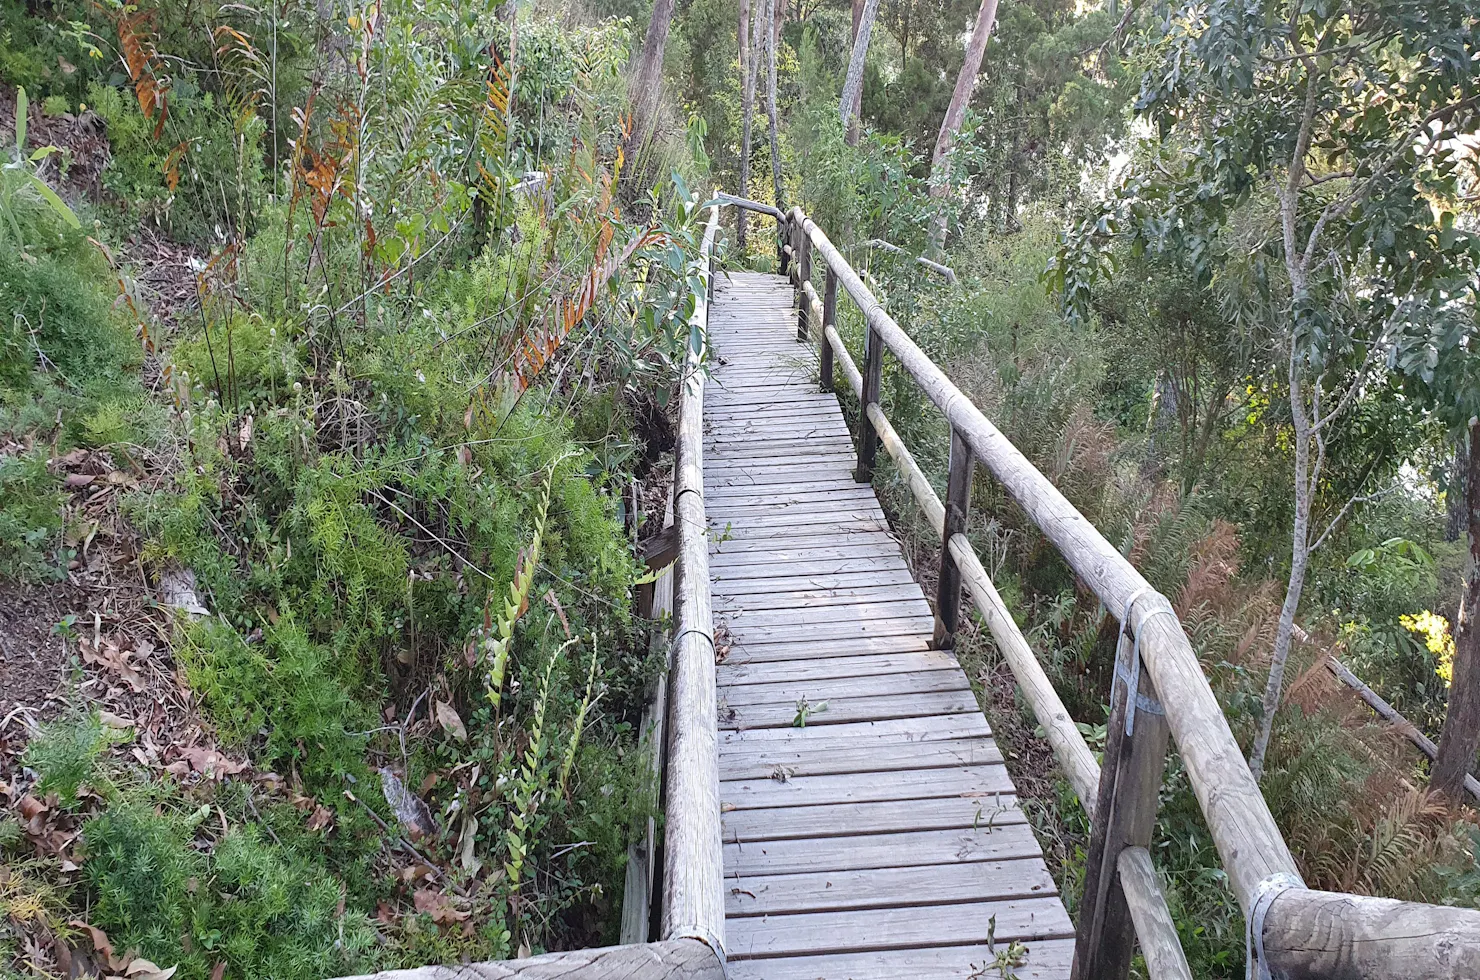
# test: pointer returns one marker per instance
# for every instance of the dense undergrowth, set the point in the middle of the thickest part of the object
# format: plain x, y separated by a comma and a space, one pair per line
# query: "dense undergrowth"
377, 473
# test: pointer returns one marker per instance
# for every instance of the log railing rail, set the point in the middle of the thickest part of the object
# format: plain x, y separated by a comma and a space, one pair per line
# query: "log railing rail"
1160, 695
693, 876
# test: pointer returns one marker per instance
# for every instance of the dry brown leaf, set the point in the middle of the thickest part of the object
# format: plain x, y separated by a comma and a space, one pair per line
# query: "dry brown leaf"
438, 906
448, 718
210, 763
322, 818
114, 660
100, 944
142, 969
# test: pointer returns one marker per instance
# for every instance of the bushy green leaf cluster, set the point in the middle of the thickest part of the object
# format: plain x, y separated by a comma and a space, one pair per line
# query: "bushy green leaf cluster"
262, 909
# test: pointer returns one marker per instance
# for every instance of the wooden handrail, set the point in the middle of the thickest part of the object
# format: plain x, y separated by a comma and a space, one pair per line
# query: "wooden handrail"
693, 866
678, 959
1293, 932
1154, 925
1243, 828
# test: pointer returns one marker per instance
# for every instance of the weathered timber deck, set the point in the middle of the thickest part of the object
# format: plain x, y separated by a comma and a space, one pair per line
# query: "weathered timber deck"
883, 839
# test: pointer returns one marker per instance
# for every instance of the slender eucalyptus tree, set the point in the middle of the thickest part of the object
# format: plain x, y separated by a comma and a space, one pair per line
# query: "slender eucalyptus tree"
950, 126
1307, 169
645, 78
773, 40
852, 97
746, 110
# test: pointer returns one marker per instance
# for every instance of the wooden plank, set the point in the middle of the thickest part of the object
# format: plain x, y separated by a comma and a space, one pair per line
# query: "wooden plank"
986, 782
1026, 919
840, 710
758, 650
808, 633
928, 728
966, 845
791, 553
842, 521
909, 886
834, 688
821, 668
850, 819
822, 583
737, 439
743, 621
674, 959
781, 412
727, 572
844, 755
789, 467
861, 498
771, 477
824, 535
780, 601
1046, 960
810, 489
780, 444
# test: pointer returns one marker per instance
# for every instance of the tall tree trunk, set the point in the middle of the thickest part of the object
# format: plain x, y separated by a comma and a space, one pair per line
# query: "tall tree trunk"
1454, 498
1460, 738
986, 17
856, 110
1299, 560
852, 98
904, 32
747, 105
773, 41
646, 77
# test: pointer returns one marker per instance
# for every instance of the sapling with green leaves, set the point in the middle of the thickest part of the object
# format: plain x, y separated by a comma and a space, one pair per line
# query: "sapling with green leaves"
1308, 172
22, 191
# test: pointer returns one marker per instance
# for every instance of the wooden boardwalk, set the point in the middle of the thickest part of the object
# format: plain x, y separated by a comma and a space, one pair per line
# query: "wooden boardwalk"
882, 839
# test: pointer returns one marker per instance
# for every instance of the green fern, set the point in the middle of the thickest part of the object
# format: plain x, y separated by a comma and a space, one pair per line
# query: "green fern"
498, 636
531, 784
580, 723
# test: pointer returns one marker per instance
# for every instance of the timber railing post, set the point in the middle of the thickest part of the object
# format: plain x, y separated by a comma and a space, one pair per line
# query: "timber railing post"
1125, 809
785, 237
804, 276
829, 319
958, 505
868, 436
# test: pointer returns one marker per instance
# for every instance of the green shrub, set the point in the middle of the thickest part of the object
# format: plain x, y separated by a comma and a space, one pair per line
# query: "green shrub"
67, 752
124, 416
267, 912
277, 915
146, 882
219, 174
57, 319
243, 361
30, 517
286, 695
